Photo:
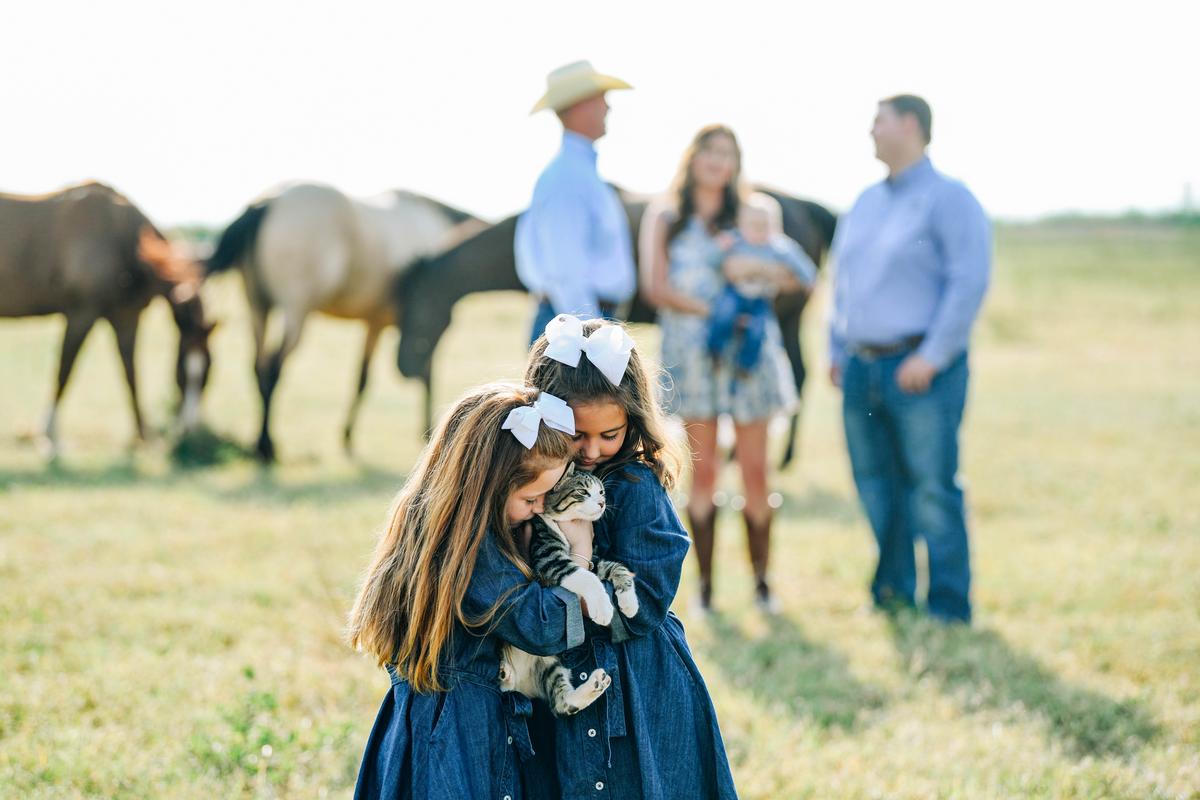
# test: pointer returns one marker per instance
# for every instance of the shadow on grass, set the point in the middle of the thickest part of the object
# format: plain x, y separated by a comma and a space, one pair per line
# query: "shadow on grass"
55, 474
784, 670
984, 671
263, 485
818, 503
266, 487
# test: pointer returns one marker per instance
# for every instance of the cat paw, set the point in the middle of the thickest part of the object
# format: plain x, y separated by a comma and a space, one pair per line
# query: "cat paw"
628, 603
585, 693
596, 684
600, 609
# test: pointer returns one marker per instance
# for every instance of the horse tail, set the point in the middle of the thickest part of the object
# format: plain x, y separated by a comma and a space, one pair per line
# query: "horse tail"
237, 240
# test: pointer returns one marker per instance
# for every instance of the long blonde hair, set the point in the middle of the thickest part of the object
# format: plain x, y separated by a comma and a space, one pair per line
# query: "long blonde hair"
413, 591
646, 439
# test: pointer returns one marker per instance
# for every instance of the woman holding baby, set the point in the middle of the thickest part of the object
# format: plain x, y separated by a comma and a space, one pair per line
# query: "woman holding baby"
710, 251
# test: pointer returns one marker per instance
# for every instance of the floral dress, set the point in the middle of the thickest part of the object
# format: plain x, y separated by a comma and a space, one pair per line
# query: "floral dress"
697, 386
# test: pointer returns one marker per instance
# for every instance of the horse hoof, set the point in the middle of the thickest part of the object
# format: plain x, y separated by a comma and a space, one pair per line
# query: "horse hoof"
48, 448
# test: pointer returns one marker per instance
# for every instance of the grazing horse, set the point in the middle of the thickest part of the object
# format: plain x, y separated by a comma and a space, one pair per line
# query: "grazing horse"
485, 262
88, 253
311, 248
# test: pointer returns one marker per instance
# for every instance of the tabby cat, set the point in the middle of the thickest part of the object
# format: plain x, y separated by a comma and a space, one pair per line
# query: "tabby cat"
578, 496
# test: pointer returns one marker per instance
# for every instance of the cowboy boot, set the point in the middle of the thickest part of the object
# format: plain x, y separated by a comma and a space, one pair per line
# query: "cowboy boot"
703, 538
758, 540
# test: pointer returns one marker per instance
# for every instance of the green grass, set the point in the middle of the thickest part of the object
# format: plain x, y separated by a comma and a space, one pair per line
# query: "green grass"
170, 632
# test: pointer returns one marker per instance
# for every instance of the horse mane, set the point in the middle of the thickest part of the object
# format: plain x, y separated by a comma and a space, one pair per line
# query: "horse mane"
167, 263
455, 215
83, 187
629, 196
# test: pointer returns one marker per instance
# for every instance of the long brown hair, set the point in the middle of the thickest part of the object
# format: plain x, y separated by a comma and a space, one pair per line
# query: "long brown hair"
646, 439
683, 187
413, 591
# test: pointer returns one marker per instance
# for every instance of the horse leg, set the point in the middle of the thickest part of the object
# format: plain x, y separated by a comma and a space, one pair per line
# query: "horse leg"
789, 326
260, 310
374, 328
427, 382
78, 327
268, 377
259, 316
125, 324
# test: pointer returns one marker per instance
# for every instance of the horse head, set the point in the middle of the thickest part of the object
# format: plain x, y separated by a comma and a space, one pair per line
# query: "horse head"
423, 312
181, 276
427, 291
193, 361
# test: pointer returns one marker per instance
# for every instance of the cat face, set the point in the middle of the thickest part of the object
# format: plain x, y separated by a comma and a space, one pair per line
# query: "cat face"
579, 495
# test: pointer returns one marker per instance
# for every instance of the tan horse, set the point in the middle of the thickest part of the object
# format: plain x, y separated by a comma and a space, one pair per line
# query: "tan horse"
88, 253
311, 248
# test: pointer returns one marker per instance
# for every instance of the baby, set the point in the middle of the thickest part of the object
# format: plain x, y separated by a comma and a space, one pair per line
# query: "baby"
751, 259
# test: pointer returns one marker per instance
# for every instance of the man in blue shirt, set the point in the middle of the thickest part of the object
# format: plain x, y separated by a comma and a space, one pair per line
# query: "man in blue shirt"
913, 258
573, 247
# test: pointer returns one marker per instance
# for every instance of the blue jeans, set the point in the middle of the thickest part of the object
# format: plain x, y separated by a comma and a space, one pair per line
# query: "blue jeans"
722, 325
904, 454
545, 312
543, 315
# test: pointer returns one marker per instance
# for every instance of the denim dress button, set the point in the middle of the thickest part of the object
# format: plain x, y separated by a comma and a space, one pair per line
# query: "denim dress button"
599, 786
592, 732
582, 676
510, 740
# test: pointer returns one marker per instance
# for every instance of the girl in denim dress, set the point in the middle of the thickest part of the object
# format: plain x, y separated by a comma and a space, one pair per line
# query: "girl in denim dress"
654, 734
448, 587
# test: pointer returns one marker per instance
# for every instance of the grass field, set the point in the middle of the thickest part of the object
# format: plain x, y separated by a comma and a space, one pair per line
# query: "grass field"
177, 633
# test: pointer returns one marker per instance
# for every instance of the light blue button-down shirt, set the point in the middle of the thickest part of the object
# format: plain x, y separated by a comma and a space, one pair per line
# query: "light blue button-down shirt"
573, 243
912, 257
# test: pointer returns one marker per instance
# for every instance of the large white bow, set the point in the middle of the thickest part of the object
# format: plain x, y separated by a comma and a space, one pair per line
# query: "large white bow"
608, 348
523, 421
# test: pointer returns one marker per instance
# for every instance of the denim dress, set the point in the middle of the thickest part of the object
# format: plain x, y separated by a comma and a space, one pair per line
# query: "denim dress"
653, 735
468, 741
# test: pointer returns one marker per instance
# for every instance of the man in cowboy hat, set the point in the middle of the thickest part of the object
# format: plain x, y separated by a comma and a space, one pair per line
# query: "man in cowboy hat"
573, 247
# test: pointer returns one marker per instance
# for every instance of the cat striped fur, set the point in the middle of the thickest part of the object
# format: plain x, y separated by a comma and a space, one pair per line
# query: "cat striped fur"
578, 496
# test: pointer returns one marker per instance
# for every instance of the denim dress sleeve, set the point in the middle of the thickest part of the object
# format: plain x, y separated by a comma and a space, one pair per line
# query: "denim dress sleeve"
469, 740
645, 534
539, 620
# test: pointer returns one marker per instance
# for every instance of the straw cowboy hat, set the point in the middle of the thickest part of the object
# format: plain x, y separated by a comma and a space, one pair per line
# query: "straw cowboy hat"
569, 84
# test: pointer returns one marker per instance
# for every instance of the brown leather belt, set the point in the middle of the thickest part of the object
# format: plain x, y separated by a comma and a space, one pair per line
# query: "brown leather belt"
874, 351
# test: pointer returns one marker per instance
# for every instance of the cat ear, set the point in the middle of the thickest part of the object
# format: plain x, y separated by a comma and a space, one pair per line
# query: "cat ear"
570, 469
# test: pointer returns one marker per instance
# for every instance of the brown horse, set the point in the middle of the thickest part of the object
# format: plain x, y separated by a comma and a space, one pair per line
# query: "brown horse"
88, 253
485, 262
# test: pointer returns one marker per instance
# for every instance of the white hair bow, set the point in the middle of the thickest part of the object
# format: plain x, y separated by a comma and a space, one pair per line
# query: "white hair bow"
523, 421
608, 348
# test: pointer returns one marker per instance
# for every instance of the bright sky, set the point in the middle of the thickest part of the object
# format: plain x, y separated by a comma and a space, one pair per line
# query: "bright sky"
192, 109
